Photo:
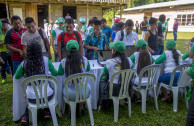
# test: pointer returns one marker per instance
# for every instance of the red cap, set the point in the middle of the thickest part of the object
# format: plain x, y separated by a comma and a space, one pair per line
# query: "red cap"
117, 20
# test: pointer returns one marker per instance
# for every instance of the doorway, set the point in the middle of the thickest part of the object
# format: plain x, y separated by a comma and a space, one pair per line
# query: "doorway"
42, 14
71, 10
3, 11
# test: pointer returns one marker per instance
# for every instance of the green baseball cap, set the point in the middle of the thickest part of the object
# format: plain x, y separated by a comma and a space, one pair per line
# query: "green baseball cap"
118, 46
82, 20
61, 20
72, 45
45, 19
171, 44
141, 43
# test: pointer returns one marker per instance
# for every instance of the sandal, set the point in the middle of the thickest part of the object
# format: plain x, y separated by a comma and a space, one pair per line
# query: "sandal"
24, 120
47, 115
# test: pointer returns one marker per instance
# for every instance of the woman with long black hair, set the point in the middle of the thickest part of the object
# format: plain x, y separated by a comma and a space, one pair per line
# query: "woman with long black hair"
170, 58
119, 61
141, 58
73, 64
35, 64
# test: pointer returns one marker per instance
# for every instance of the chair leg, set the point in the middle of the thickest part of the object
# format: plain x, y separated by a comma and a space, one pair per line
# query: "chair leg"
58, 111
73, 113
53, 114
155, 99
30, 115
175, 99
143, 100
90, 111
187, 103
129, 106
116, 108
34, 116
158, 91
63, 107
99, 108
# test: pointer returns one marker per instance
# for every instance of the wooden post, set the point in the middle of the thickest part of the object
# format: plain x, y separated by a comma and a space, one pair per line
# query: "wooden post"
87, 13
7, 9
120, 14
49, 12
113, 16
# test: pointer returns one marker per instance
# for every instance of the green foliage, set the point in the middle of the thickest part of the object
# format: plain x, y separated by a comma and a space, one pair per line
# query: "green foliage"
108, 15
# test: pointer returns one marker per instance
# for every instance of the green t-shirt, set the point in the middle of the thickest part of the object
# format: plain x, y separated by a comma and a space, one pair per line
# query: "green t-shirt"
3, 47
190, 71
192, 48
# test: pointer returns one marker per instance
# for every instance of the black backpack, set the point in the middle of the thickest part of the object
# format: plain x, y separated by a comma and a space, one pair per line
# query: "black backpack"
122, 35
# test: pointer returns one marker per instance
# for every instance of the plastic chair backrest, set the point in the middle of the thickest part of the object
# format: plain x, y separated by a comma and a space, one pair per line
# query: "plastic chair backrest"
38, 81
183, 77
125, 76
153, 73
80, 82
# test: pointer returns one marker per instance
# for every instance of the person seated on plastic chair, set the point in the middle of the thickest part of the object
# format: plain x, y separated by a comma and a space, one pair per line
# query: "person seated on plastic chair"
73, 64
35, 64
170, 58
141, 58
118, 62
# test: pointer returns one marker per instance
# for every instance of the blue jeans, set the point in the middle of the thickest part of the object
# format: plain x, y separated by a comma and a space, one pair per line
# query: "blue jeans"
56, 56
175, 34
165, 78
160, 49
155, 52
15, 66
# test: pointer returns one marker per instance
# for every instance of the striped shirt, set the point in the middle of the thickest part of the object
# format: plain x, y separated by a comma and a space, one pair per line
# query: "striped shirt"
13, 37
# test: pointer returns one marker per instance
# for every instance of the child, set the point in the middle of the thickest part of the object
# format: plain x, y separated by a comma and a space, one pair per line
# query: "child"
118, 62
151, 36
170, 58
141, 59
186, 55
83, 30
90, 26
74, 63
121, 27
35, 64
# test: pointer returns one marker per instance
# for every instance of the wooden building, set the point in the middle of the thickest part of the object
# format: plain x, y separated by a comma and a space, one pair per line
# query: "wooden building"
52, 9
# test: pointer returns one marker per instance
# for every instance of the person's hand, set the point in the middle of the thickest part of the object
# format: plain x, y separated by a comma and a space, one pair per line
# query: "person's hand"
21, 53
55, 51
50, 56
95, 49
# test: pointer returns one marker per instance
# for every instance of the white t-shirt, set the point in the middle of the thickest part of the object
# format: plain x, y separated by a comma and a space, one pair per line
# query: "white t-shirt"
113, 67
30, 91
28, 37
127, 39
46, 25
144, 79
57, 32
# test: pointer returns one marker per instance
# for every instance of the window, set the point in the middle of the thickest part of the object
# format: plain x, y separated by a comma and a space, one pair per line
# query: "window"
185, 19
71, 10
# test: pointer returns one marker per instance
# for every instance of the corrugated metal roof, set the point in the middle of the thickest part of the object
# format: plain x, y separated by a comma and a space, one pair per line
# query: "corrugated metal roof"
162, 4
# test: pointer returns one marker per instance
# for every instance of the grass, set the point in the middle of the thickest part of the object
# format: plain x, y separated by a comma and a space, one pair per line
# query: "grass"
163, 117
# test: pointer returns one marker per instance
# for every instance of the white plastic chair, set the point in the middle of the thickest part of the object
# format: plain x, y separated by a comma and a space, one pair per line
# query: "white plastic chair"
80, 82
153, 72
183, 81
126, 76
42, 102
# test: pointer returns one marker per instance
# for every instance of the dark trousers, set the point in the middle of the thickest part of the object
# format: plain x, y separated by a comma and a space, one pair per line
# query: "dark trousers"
175, 34
160, 49
6, 58
190, 114
137, 30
